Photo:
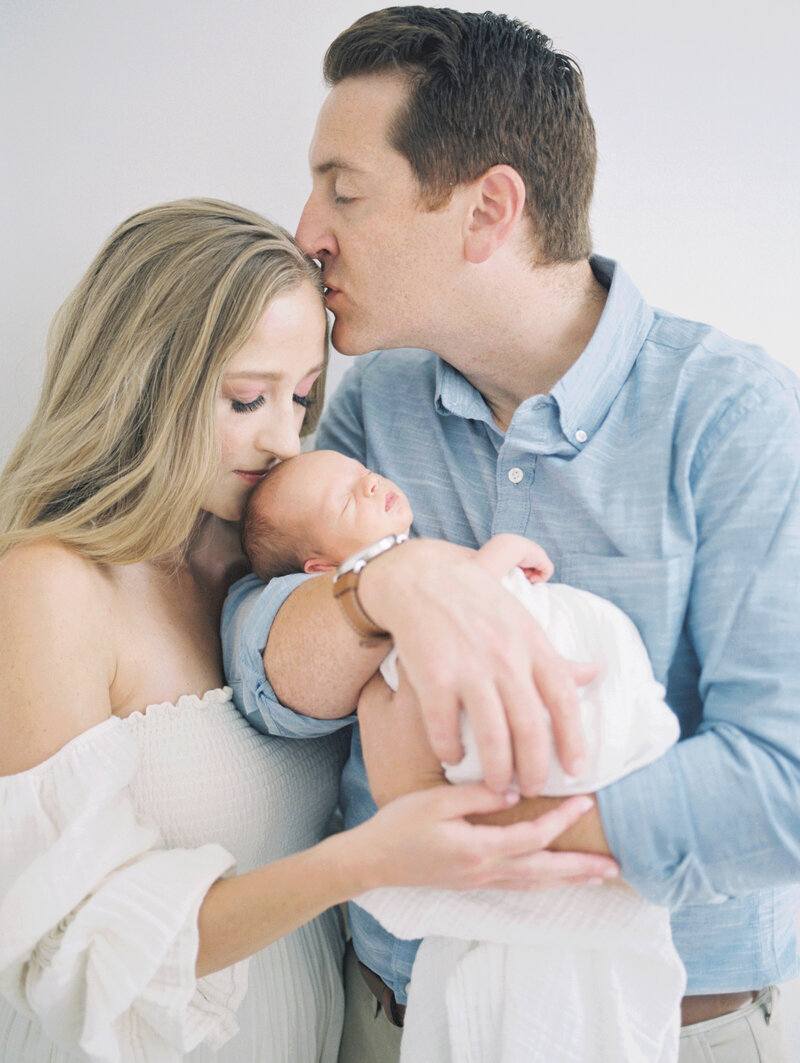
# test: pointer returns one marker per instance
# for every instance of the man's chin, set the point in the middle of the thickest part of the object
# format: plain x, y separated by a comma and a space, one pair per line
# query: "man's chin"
348, 344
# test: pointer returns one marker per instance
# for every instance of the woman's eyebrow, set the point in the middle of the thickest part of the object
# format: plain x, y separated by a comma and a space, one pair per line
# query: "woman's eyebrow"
260, 374
253, 374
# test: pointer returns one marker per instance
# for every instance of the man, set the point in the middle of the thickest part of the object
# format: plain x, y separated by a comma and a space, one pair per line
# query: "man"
521, 386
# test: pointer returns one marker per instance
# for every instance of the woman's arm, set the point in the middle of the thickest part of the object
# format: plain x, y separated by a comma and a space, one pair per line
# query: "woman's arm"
57, 659
420, 839
57, 662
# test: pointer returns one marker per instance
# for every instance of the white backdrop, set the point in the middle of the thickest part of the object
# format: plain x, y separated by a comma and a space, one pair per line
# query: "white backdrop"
109, 107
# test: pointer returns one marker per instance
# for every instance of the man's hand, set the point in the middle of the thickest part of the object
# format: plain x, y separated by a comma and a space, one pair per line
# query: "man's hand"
467, 643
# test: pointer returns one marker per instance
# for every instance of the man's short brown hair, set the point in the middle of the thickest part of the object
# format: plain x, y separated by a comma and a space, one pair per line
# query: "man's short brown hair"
484, 90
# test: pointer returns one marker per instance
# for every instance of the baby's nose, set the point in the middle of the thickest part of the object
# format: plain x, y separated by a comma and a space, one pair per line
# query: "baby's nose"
370, 483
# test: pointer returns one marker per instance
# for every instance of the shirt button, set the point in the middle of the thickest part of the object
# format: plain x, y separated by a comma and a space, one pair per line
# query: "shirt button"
581, 436
515, 475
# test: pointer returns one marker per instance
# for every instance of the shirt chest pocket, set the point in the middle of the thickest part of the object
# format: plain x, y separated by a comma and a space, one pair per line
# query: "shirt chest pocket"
652, 591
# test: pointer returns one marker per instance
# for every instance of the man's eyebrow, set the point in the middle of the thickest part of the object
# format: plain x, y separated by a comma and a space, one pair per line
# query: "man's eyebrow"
335, 164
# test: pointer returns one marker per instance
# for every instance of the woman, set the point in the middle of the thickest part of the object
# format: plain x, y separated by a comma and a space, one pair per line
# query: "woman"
152, 841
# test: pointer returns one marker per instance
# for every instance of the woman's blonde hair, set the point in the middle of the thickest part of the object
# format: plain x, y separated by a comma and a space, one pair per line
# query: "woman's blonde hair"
122, 449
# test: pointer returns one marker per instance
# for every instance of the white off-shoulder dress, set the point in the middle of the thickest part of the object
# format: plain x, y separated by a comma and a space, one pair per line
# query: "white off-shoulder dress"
106, 852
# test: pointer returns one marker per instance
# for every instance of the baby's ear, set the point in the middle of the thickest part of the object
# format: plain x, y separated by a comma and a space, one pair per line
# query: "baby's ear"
315, 565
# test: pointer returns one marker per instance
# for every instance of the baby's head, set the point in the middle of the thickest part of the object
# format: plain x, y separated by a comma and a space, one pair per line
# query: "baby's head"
312, 512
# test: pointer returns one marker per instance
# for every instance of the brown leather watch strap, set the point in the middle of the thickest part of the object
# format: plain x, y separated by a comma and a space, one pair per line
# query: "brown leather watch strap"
345, 591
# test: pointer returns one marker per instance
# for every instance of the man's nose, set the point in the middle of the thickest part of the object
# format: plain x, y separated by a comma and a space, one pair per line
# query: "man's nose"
313, 233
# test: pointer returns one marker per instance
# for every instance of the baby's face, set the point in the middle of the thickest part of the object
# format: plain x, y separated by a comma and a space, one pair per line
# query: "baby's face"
339, 505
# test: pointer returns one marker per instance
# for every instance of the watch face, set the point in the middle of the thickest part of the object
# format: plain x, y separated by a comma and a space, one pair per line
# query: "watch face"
356, 561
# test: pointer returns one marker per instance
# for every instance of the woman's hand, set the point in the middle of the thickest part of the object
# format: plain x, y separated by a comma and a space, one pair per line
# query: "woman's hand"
424, 839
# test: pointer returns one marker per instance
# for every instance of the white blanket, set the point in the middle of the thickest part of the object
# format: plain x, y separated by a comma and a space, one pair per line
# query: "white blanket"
571, 975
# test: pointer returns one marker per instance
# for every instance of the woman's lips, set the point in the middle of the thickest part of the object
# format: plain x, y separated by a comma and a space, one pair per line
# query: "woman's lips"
251, 478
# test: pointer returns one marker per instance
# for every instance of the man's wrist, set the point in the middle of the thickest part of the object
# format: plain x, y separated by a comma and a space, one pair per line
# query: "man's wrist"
385, 581
346, 584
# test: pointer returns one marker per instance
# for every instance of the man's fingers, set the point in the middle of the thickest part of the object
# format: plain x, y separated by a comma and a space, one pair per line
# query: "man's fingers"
530, 734
442, 723
490, 726
583, 672
558, 690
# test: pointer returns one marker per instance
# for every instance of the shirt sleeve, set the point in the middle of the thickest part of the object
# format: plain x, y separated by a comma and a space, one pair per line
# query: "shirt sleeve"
716, 816
98, 922
247, 617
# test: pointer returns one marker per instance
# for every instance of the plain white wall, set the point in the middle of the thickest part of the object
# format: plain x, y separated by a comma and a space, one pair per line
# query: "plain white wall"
109, 107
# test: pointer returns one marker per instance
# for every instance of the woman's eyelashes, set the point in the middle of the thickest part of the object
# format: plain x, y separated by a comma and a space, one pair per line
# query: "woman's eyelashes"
238, 406
246, 407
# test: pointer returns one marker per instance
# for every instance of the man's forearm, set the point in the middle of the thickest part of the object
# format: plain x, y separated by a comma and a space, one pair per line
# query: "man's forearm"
315, 662
585, 836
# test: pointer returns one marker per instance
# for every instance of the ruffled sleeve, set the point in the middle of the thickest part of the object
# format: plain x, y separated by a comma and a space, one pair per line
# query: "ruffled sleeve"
98, 922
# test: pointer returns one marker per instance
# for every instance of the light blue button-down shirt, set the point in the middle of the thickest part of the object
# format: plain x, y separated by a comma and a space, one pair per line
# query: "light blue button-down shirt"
662, 472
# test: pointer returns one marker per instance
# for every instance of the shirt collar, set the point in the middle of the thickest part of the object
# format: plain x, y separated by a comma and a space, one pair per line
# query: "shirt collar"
586, 391
457, 397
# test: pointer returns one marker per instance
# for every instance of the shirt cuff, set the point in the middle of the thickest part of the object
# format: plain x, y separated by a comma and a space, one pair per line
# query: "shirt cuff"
650, 830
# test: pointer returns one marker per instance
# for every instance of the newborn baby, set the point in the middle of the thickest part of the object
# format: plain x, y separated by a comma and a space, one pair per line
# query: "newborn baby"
312, 512
577, 973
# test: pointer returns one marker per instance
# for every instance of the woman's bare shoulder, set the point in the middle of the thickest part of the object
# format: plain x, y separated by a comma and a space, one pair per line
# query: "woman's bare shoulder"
48, 563
56, 655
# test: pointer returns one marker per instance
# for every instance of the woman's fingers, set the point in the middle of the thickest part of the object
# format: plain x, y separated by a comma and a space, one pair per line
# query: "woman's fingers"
545, 870
470, 799
540, 832
434, 844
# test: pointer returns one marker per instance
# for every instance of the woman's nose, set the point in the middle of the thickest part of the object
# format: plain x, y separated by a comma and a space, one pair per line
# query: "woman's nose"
280, 437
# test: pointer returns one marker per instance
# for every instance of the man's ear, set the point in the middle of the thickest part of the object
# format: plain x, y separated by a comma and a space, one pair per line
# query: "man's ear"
315, 565
497, 203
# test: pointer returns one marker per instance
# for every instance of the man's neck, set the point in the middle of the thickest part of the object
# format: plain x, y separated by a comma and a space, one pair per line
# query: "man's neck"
524, 338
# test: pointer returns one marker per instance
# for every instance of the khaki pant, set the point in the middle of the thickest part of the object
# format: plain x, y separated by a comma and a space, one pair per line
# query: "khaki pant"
368, 1036
751, 1035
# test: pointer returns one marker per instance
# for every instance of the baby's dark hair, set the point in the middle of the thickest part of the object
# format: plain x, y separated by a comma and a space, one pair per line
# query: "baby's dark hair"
272, 550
